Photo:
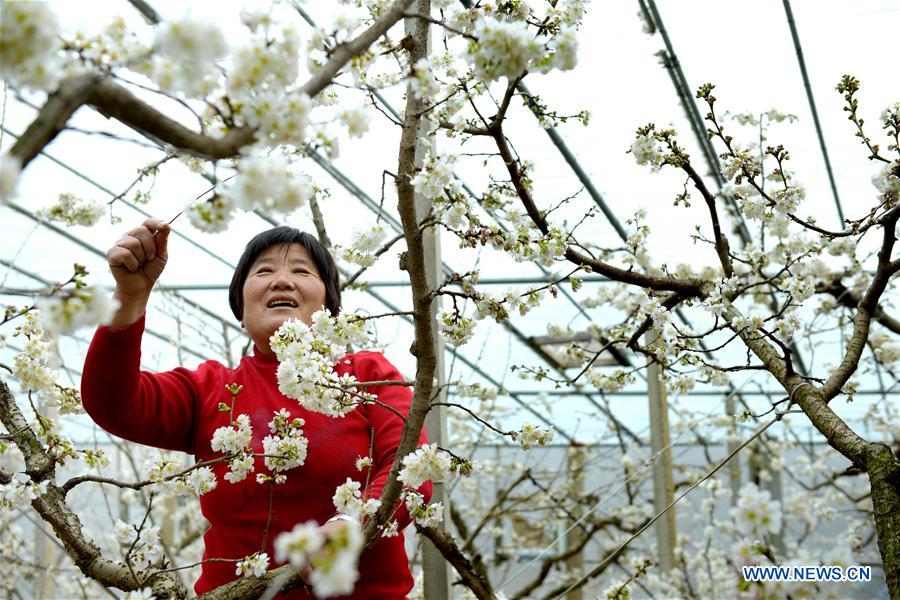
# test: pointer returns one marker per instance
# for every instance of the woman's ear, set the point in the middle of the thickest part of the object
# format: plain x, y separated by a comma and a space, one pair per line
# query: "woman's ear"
242, 325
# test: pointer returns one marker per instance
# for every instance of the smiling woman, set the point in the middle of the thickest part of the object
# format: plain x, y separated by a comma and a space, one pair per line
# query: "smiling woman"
283, 274
237, 420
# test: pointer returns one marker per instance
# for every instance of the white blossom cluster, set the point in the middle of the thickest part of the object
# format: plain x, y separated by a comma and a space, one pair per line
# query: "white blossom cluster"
18, 494
348, 500
564, 49
391, 529
32, 366
262, 182
335, 572
84, 307
650, 307
752, 205
750, 324
430, 515
145, 547
886, 348
455, 328
355, 119
545, 249
571, 12
346, 20
887, 181
72, 210
286, 447
476, 390
787, 326
254, 565
115, 45
787, 199
333, 555
427, 463
503, 49
300, 544
186, 51
755, 512
680, 385
364, 246
282, 119
612, 382
506, 48
213, 215
423, 82
772, 114
235, 439
261, 86
30, 45
435, 176
646, 151
164, 473
498, 308
307, 356
739, 164
532, 435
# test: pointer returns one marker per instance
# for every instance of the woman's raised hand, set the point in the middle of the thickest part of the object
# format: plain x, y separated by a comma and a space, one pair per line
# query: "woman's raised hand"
136, 261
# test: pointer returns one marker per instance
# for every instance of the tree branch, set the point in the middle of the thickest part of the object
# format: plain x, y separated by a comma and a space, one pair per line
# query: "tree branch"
52, 507
413, 262
448, 548
721, 241
845, 297
865, 308
688, 288
114, 101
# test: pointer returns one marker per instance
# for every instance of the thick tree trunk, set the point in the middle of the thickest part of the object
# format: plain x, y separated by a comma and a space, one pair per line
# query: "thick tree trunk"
884, 476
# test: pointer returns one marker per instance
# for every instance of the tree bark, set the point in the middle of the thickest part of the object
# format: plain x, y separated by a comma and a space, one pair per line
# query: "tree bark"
467, 571
413, 262
884, 477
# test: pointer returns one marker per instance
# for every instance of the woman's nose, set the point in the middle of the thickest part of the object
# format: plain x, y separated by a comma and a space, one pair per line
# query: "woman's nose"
282, 280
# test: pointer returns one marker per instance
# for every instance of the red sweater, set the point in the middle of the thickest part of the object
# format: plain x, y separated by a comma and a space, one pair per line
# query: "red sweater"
178, 410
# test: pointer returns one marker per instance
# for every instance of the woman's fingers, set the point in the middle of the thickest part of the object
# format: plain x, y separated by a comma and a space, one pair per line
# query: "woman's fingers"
140, 245
123, 257
162, 241
145, 237
132, 244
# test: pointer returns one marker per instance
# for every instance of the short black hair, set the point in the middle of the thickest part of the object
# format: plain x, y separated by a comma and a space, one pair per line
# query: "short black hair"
278, 236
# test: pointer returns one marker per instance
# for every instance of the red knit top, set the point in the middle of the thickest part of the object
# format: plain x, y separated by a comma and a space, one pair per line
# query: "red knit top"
178, 410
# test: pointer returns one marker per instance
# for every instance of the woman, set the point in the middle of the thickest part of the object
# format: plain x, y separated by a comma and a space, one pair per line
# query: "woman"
283, 274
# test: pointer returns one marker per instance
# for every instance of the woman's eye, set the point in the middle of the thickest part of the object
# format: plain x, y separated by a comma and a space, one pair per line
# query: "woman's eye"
264, 270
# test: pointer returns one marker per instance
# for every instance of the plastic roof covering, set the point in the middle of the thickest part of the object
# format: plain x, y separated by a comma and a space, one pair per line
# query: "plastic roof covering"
746, 50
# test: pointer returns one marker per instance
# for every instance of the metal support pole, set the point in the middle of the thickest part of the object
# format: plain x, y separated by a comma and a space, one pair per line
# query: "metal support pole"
775, 488
575, 563
660, 446
436, 570
734, 466
45, 554
760, 459
168, 528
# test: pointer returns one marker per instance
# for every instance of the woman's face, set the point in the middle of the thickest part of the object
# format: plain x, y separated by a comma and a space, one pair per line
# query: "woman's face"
282, 284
